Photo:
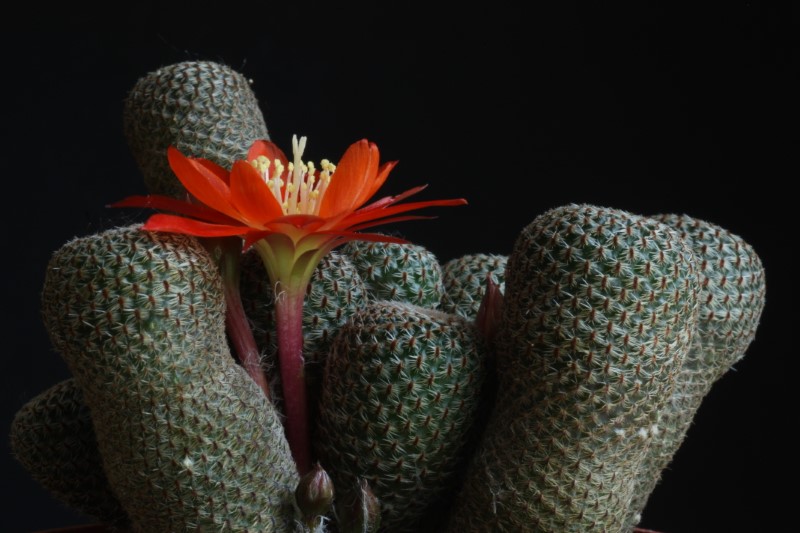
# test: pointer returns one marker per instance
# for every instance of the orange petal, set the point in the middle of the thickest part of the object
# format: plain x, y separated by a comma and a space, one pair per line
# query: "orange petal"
188, 226
201, 182
217, 170
251, 196
362, 217
355, 172
390, 220
166, 203
377, 182
386, 201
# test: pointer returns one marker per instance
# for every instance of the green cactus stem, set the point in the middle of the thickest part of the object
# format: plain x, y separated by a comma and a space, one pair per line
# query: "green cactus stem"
464, 280
401, 393
731, 296
398, 272
228, 252
206, 110
53, 438
598, 313
188, 440
202, 108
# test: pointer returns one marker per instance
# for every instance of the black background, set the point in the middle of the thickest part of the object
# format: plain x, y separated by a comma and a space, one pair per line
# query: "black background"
649, 109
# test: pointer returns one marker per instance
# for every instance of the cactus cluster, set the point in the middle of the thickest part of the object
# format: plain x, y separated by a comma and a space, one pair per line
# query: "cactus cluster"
556, 413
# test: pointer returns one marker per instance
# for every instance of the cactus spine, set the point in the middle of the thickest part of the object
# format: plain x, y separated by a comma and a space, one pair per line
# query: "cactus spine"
731, 297
600, 306
400, 396
187, 440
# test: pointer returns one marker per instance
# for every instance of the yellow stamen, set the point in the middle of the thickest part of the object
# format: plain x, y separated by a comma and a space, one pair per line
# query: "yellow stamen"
304, 187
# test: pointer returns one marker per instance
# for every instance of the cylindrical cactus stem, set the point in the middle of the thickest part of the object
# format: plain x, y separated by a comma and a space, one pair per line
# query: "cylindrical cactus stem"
731, 298
334, 294
599, 310
53, 438
401, 394
188, 440
407, 273
464, 280
204, 109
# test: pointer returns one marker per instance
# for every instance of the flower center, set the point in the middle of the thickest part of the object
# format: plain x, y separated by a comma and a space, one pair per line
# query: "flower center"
302, 189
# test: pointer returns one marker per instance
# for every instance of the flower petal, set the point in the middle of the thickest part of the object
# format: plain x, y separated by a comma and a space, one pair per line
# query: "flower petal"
391, 220
360, 217
345, 236
386, 201
188, 226
369, 191
217, 170
251, 196
355, 172
167, 203
201, 182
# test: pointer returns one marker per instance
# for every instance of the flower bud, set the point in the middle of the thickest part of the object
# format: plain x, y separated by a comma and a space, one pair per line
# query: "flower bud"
490, 310
314, 494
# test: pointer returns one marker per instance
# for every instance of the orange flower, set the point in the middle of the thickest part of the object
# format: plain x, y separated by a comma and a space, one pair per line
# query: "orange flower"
293, 214
265, 194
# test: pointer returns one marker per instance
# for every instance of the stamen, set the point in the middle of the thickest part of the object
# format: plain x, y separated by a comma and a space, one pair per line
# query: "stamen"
305, 186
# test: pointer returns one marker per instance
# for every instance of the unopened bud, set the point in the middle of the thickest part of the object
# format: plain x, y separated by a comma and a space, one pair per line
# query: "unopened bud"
490, 310
314, 494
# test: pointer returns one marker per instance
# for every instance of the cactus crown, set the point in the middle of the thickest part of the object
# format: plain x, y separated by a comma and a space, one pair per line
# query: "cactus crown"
400, 396
202, 108
398, 272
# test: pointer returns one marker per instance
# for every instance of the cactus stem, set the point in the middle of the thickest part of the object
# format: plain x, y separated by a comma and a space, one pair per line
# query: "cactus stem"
236, 323
290, 264
289, 321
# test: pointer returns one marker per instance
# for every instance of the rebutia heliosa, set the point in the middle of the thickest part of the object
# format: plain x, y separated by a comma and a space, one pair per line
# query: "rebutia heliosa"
614, 327
398, 272
400, 399
465, 282
53, 438
600, 307
187, 440
202, 108
731, 300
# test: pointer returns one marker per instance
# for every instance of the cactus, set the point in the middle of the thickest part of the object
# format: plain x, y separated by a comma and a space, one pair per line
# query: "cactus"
611, 332
731, 300
599, 310
187, 439
53, 438
336, 291
400, 396
203, 108
464, 280
398, 272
